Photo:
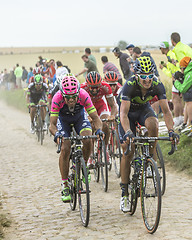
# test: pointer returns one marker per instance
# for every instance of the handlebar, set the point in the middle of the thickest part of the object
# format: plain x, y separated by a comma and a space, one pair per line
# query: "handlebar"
151, 139
73, 138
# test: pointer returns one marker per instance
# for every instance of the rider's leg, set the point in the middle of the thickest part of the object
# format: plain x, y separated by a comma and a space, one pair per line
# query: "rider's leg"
87, 144
105, 128
151, 123
64, 159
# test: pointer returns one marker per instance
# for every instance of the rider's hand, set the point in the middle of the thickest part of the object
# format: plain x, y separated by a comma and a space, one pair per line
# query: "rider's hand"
111, 118
57, 135
129, 134
173, 136
100, 133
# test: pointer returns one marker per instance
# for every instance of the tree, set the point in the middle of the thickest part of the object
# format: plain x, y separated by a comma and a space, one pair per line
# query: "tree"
122, 45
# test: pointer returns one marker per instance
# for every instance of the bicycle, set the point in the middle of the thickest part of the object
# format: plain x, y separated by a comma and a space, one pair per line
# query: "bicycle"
145, 182
141, 131
114, 148
100, 162
38, 123
78, 177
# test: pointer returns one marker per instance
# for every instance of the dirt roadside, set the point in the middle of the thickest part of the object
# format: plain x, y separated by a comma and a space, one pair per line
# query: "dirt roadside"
30, 185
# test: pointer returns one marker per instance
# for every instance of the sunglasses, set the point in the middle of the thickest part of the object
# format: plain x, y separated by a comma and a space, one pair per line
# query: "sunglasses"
38, 84
144, 77
71, 96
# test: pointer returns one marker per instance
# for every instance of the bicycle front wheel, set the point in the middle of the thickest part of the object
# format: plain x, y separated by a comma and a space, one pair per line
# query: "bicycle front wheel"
116, 151
150, 193
102, 156
96, 168
161, 168
73, 186
83, 192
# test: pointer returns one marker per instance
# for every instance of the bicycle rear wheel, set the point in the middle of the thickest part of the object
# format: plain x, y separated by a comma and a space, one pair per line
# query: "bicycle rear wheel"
116, 152
83, 191
96, 168
103, 164
161, 168
150, 193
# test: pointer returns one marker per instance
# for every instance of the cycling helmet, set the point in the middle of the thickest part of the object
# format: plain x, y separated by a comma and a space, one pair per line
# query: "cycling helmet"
36, 71
60, 78
93, 78
111, 77
144, 65
69, 85
38, 79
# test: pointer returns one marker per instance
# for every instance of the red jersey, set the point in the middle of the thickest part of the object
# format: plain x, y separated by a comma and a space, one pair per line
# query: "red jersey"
118, 86
104, 90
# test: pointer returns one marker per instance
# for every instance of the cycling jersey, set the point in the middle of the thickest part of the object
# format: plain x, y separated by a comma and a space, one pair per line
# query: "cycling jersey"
131, 91
104, 90
59, 106
116, 92
35, 95
53, 90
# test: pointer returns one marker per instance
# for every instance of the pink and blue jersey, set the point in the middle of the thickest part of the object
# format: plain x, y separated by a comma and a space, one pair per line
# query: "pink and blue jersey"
59, 106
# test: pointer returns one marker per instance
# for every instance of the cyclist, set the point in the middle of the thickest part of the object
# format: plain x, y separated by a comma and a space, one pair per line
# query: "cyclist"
68, 107
36, 71
112, 79
100, 92
134, 106
37, 94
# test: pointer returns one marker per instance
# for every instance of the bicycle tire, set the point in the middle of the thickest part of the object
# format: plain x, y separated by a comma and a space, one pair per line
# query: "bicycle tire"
83, 191
72, 187
150, 194
96, 169
161, 168
133, 191
38, 127
41, 133
110, 151
103, 164
116, 152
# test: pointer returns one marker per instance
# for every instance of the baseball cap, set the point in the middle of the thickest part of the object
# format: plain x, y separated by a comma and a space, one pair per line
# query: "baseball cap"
164, 45
130, 46
116, 50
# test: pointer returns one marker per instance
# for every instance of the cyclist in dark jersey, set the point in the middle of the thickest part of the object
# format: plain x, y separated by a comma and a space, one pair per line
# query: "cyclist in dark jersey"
37, 94
134, 106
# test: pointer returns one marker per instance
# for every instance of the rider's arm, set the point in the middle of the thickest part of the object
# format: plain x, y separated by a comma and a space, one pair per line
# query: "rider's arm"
96, 120
166, 113
124, 110
113, 106
53, 125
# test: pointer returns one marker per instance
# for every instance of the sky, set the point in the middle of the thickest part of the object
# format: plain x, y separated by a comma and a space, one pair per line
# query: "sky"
31, 23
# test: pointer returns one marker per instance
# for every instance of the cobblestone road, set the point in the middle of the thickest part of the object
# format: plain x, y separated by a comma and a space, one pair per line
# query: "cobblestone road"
30, 185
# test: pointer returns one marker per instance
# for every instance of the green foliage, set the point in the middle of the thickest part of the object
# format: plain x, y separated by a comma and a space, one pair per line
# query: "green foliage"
15, 98
181, 159
122, 45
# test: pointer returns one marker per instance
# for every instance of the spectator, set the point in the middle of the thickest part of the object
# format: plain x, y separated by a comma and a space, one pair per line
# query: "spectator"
11, 80
52, 69
124, 62
180, 49
108, 66
18, 73
24, 77
5, 79
169, 69
90, 56
1, 78
130, 49
29, 75
89, 66
184, 85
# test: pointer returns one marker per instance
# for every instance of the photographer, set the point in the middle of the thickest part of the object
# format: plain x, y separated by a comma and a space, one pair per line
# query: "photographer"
184, 85
169, 69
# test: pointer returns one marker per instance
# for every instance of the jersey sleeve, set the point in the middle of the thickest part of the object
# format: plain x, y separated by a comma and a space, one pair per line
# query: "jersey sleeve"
160, 89
107, 90
57, 104
127, 89
85, 100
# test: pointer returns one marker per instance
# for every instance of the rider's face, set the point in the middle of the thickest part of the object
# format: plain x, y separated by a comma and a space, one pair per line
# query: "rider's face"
71, 100
146, 80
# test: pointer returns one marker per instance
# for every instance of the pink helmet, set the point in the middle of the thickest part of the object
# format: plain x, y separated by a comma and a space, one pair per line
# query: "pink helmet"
69, 85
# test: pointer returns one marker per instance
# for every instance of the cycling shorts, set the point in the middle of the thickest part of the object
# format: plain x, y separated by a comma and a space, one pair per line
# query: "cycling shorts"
101, 107
36, 100
79, 121
137, 116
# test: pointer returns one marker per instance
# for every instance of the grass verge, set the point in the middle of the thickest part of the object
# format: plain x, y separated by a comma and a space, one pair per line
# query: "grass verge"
181, 159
